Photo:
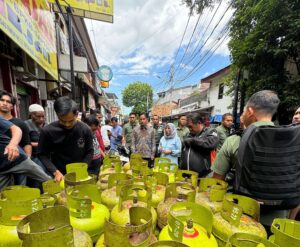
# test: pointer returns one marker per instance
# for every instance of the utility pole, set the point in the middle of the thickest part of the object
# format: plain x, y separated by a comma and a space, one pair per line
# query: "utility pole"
236, 97
70, 33
171, 81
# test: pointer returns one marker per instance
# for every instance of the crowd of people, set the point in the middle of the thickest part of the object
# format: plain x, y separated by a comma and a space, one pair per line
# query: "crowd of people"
33, 151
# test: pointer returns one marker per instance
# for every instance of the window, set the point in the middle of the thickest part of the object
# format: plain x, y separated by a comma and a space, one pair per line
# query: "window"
221, 91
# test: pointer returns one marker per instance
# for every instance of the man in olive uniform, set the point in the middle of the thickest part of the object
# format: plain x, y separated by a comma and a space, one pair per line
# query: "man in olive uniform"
128, 128
259, 111
182, 130
158, 130
224, 129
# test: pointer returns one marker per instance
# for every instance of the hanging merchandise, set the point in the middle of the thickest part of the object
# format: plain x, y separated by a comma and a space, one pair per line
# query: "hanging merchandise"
132, 196
15, 203
211, 193
86, 211
175, 192
248, 240
110, 196
238, 214
41, 229
190, 224
286, 232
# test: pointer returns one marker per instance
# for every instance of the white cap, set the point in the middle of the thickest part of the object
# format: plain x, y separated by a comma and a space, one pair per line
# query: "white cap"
35, 108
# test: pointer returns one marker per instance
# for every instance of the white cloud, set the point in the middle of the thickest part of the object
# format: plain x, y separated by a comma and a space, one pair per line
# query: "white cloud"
146, 34
114, 83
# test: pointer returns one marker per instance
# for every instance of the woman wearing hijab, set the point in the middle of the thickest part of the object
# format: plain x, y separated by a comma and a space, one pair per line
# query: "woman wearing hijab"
170, 144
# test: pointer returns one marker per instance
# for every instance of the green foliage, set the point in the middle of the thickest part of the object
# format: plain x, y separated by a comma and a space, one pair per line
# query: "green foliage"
135, 95
199, 5
265, 41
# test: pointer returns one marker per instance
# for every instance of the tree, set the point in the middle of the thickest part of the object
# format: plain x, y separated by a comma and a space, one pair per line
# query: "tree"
265, 42
137, 95
199, 5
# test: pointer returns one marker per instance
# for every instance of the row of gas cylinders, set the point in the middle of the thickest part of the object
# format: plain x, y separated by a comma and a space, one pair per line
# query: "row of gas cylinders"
133, 206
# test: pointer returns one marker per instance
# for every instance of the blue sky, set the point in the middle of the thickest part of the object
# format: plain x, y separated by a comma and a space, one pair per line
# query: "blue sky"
143, 43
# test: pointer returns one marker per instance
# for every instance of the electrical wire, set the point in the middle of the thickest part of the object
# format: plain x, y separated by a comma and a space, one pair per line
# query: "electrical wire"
186, 26
194, 53
188, 45
201, 62
195, 66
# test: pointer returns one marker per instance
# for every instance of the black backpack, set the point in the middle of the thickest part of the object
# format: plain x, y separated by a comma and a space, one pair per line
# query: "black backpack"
268, 167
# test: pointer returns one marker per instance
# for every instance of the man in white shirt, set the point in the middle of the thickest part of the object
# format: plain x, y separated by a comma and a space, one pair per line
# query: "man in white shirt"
106, 132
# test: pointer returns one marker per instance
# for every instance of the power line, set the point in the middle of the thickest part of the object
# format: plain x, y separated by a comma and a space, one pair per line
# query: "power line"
201, 62
189, 42
194, 53
211, 35
186, 26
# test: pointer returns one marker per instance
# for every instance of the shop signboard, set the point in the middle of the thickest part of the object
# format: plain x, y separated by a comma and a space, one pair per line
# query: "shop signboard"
30, 24
101, 10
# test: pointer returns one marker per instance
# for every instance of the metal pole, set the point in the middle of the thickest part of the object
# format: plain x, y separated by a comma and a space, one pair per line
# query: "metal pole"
236, 97
69, 11
243, 95
70, 32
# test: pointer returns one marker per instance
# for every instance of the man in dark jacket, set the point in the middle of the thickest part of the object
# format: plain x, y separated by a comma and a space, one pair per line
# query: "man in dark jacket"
66, 140
198, 146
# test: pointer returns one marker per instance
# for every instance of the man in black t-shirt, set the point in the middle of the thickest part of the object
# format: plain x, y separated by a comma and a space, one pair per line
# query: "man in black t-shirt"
66, 140
7, 103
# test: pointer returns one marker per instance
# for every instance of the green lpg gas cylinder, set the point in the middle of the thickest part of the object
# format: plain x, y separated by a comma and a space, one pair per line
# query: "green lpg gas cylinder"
175, 192
238, 214
111, 164
111, 168
211, 192
137, 232
86, 211
157, 182
190, 224
168, 243
15, 204
139, 168
187, 177
77, 174
110, 196
164, 165
286, 232
54, 189
42, 229
248, 240
134, 156
132, 196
